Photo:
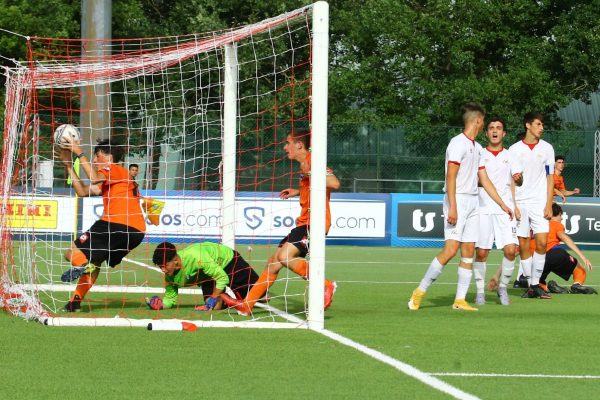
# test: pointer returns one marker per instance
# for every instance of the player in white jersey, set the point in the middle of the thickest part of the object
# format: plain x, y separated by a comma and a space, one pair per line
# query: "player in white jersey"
534, 199
461, 208
495, 226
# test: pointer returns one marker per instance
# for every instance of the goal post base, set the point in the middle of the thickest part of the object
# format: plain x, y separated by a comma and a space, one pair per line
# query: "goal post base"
165, 324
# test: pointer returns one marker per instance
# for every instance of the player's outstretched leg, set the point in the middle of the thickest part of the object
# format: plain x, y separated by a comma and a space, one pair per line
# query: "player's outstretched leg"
258, 290
86, 281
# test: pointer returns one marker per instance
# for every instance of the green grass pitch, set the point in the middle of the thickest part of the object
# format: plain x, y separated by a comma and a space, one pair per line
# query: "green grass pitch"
541, 348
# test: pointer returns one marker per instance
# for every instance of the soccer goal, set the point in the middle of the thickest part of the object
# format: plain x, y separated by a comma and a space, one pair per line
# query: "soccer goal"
205, 117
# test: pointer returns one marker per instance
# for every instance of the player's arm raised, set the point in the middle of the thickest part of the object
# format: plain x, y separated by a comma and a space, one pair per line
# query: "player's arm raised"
81, 188
489, 187
331, 181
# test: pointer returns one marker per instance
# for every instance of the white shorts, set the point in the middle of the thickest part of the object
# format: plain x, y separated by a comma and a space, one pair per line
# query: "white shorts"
496, 228
532, 218
467, 224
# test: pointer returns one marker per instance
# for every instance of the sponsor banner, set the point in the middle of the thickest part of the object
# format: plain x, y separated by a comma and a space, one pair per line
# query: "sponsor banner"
356, 219
40, 214
418, 220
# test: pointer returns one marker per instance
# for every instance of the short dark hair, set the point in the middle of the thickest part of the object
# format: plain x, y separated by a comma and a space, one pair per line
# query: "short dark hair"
302, 136
134, 166
107, 147
469, 109
559, 157
164, 253
498, 119
530, 117
556, 210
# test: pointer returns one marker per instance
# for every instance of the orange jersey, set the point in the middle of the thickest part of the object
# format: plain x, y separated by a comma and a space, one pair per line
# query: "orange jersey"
304, 218
553, 239
121, 198
555, 228
559, 182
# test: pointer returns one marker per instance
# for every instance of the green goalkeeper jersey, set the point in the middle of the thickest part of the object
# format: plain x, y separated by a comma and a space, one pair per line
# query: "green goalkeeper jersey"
200, 262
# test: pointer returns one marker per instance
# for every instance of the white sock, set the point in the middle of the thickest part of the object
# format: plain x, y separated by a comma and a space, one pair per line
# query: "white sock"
526, 265
537, 267
507, 270
520, 270
434, 270
479, 275
464, 280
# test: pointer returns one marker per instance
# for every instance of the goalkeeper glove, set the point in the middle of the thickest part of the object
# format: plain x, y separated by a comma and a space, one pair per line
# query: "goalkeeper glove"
210, 303
155, 303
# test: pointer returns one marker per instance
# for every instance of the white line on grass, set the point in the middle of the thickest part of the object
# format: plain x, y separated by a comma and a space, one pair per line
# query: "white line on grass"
402, 367
399, 365
141, 264
468, 374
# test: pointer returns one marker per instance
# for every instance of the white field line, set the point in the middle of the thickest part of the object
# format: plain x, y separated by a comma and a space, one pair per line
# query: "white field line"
402, 367
399, 365
141, 264
475, 374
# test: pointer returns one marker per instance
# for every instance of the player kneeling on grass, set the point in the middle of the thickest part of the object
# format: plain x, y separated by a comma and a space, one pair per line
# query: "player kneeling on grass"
122, 225
209, 265
560, 262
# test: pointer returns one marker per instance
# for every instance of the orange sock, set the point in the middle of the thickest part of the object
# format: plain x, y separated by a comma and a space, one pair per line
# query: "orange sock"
579, 275
85, 283
258, 290
301, 268
78, 259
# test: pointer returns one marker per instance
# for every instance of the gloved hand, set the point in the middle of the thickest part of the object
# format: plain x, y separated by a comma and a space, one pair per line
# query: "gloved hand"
155, 303
210, 303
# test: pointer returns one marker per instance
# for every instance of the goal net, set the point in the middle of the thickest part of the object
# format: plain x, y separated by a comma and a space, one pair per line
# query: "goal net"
205, 118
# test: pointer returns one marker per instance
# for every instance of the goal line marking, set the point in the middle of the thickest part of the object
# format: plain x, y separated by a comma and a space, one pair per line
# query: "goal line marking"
407, 369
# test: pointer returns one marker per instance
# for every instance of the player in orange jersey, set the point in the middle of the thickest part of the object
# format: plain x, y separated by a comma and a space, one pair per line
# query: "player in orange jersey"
562, 263
559, 182
294, 247
120, 229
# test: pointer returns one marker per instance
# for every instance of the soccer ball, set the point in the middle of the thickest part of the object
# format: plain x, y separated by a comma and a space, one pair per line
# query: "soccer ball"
65, 134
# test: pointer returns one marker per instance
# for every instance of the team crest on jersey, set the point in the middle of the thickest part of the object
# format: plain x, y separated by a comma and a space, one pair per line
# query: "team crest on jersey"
84, 238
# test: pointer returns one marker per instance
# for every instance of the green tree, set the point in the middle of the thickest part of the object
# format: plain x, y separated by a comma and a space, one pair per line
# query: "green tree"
419, 61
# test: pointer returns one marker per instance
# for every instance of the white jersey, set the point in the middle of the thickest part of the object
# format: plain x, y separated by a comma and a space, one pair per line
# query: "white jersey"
538, 162
466, 153
500, 167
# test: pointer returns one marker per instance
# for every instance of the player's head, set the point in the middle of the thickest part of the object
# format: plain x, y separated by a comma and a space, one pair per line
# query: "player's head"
559, 162
297, 142
556, 210
134, 169
473, 113
534, 124
106, 151
165, 257
496, 130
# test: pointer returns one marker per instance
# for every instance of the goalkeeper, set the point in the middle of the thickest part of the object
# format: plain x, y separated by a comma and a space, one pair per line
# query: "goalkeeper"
293, 249
120, 229
209, 265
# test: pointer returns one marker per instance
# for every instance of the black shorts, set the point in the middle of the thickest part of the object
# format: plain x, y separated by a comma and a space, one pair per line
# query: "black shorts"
108, 242
560, 262
241, 277
299, 238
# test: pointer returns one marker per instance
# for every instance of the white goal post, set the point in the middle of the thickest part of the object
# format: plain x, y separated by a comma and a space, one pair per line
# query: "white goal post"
205, 117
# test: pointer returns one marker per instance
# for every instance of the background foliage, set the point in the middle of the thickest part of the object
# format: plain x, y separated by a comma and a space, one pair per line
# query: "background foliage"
399, 69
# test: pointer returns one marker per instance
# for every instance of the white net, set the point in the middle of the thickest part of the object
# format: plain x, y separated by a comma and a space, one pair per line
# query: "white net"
162, 100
